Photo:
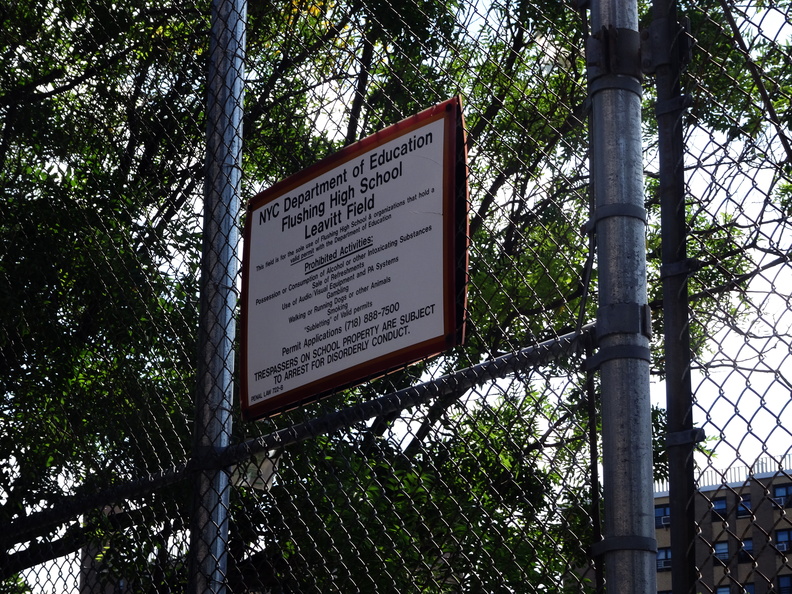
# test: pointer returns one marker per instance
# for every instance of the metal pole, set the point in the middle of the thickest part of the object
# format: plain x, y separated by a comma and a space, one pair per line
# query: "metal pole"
669, 45
209, 527
613, 60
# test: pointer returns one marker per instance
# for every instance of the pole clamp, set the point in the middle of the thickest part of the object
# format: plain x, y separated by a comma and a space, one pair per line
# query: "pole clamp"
624, 543
614, 210
658, 39
623, 351
613, 60
675, 104
685, 438
624, 318
683, 267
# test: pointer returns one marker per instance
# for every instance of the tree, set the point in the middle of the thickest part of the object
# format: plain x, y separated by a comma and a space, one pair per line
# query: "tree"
101, 108
100, 157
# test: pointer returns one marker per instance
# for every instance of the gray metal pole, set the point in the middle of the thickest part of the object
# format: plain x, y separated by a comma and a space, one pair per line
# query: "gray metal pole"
613, 58
209, 535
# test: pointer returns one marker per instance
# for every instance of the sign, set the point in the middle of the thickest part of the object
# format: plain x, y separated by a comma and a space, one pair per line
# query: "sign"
357, 264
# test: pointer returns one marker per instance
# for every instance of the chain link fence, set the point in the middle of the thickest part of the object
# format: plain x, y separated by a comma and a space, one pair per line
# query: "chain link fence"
474, 471
738, 180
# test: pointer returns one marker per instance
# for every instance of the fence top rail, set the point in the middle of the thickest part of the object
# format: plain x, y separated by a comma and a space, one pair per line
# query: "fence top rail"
458, 381
35, 524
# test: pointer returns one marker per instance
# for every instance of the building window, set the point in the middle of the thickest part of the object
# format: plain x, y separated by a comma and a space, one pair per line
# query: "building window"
783, 541
718, 509
782, 495
745, 554
785, 584
748, 589
664, 559
721, 551
722, 590
744, 507
662, 516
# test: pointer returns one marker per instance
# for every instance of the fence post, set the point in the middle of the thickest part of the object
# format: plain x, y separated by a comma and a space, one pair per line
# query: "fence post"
209, 526
614, 74
669, 47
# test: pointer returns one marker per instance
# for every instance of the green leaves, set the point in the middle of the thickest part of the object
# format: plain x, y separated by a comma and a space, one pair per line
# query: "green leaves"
98, 161
101, 174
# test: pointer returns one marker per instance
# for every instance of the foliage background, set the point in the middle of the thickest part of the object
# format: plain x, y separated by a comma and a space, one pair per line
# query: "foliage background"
491, 489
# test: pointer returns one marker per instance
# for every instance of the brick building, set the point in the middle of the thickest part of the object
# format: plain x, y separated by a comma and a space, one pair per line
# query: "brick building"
745, 538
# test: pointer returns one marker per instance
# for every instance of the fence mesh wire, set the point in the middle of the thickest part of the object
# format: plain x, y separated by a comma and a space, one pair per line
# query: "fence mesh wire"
738, 180
490, 487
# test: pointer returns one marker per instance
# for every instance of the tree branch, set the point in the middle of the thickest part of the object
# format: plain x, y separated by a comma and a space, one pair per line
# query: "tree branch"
757, 78
360, 91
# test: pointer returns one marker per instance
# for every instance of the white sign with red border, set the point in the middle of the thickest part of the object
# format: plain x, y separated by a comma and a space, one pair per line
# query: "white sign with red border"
356, 265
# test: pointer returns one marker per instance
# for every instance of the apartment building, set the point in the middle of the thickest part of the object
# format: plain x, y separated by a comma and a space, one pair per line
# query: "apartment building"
745, 532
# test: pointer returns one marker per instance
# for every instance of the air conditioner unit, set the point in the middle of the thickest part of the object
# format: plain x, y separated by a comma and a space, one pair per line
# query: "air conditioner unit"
664, 564
665, 520
783, 546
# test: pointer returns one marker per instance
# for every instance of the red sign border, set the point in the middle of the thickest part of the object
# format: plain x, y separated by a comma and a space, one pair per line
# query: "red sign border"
455, 242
